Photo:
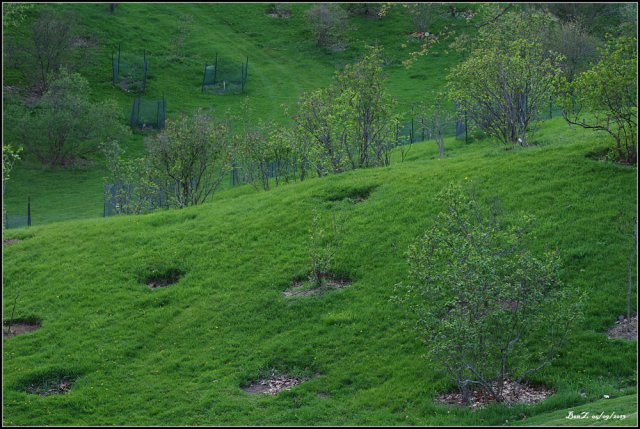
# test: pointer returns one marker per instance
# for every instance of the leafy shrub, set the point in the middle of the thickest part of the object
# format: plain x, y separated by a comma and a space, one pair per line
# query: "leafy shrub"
487, 309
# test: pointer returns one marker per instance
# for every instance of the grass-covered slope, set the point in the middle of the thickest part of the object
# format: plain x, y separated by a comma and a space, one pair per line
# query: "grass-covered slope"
179, 355
622, 411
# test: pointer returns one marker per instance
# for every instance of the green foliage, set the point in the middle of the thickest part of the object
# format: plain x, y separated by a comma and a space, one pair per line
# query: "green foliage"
323, 131
507, 78
328, 23
9, 156
51, 47
607, 93
190, 157
577, 47
480, 296
352, 123
323, 245
423, 15
135, 190
369, 108
369, 10
598, 18
66, 127
14, 13
434, 116
263, 152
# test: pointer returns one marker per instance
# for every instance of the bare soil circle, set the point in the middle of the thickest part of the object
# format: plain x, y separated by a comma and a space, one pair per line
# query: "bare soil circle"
513, 393
18, 328
273, 385
53, 387
626, 329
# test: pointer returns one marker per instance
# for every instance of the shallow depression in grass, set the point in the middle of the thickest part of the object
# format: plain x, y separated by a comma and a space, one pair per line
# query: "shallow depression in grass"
163, 278
13, 328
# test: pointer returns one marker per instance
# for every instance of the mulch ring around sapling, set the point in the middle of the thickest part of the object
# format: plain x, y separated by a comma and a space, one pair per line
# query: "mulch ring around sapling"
18, 328
306, 288
513, 393
273, 385
625, 329
163, 279
51, 387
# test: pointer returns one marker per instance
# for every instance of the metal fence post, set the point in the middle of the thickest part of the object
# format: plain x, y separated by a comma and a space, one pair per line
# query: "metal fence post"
215, 70
204, 76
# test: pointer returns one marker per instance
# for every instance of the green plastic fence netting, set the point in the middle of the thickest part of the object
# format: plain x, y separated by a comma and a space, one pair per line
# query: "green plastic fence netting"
130, 71
225, 76
147, 113
121, 198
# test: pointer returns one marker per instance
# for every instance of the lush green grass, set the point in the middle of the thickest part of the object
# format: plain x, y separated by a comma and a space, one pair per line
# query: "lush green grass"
180, 355
622, 411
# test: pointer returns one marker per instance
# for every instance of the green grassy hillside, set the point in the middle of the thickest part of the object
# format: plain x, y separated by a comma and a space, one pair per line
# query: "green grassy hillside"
179, 356
283, 62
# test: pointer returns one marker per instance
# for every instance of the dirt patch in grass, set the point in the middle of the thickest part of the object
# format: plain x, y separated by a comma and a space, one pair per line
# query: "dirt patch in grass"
52, 387
18, 328
625, 329
273, 385
356, 196
10, 242
513, 393
163, 279
304, 288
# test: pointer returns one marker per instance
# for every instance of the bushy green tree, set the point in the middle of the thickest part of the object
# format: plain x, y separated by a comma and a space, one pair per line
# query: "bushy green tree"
190, 157
370, 108
508, 78
322, 127
488, 309
604, 98
351, 124
264, 153
66, 126
328, 23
